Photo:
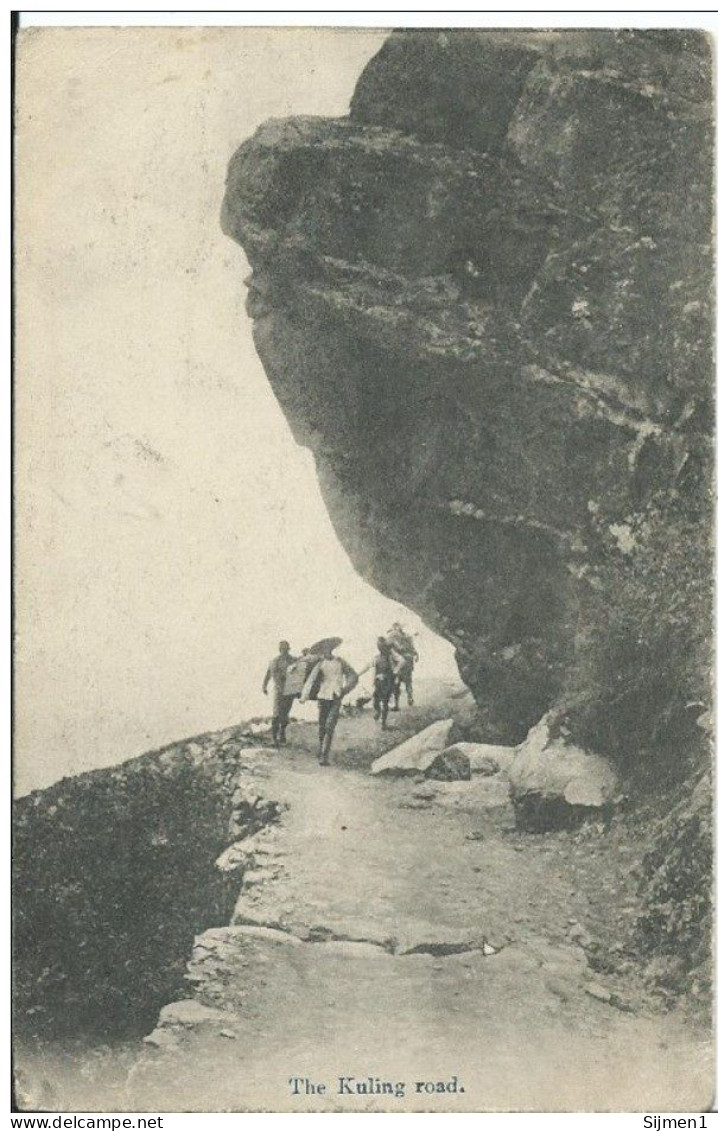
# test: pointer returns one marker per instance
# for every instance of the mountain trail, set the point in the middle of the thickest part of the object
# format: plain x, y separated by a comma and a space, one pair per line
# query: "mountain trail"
398, 946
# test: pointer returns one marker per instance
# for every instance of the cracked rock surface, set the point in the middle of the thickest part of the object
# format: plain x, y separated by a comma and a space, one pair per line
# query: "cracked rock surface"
482, 301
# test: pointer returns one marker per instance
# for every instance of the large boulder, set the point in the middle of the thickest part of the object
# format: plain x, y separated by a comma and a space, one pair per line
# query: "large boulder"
488, 287
554, 782
417, 754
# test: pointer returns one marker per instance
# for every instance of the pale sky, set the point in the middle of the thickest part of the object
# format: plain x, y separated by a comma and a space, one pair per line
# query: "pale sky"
169, 530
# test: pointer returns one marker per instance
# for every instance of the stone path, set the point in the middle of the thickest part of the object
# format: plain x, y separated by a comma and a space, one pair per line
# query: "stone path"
389, 933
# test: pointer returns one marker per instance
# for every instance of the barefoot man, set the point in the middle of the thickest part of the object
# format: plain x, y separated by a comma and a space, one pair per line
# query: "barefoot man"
328, 682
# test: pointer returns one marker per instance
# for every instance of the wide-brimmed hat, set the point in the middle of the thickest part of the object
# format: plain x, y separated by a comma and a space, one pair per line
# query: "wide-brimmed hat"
326, 644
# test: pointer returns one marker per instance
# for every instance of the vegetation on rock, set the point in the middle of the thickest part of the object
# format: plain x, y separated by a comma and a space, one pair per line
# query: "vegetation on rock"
113, 877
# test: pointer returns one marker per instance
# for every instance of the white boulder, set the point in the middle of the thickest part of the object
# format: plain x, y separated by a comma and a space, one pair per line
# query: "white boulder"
550, 778
485, 758
417, 753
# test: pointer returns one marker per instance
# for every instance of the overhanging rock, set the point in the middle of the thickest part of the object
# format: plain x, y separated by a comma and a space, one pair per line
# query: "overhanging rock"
481, 301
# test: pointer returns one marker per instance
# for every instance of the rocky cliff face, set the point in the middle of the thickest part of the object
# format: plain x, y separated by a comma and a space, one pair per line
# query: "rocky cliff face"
114, 874
482, 301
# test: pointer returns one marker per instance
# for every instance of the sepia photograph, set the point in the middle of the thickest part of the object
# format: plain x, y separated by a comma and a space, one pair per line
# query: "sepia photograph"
363, 569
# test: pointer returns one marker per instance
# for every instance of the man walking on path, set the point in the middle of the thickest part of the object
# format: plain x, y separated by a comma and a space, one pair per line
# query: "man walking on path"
387, 665
328, 682
404, 644
282, 705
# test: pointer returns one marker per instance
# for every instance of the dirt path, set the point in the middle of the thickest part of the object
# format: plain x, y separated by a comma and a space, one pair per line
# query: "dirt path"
393, 937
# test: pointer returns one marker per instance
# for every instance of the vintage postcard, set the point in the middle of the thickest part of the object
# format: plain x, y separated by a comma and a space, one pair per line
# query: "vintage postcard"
364, 425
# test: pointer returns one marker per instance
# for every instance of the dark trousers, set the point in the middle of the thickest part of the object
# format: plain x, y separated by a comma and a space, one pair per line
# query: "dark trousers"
382, 694
280, 720
328, 717
405, 677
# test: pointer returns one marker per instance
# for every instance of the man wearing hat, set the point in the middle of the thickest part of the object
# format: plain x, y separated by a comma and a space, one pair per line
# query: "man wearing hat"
328, 682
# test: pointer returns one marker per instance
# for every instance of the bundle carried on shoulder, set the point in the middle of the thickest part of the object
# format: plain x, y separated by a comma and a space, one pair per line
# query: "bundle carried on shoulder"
297, 674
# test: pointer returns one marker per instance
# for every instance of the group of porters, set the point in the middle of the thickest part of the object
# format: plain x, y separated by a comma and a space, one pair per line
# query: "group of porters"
322, 675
